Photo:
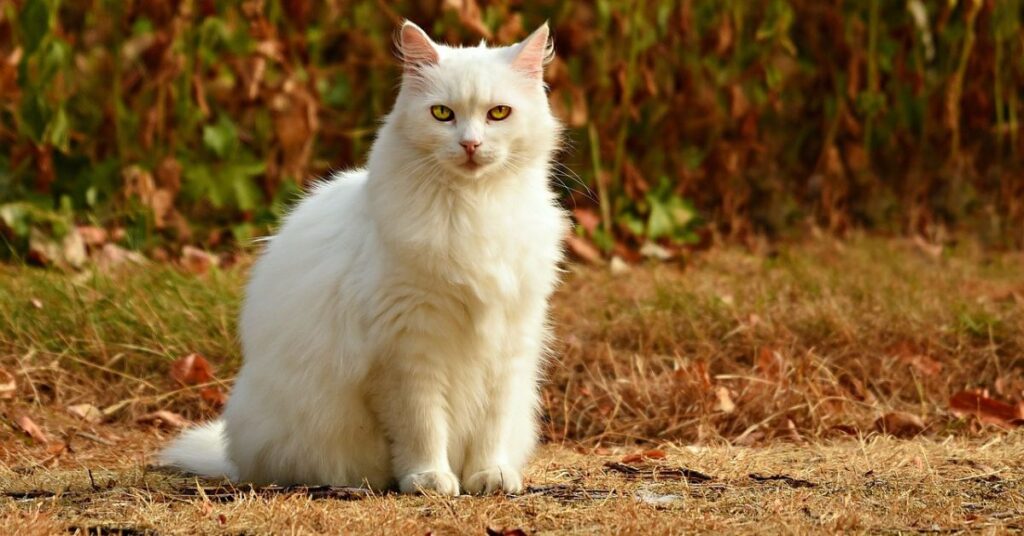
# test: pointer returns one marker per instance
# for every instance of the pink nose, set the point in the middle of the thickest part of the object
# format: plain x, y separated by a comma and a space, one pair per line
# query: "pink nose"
470, 146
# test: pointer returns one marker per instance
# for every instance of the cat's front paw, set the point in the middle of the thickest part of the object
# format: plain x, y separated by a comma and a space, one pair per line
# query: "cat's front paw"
498, 478
440, 482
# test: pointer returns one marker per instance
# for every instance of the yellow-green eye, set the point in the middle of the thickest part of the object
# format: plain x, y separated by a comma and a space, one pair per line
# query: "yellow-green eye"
442, 112
499, 112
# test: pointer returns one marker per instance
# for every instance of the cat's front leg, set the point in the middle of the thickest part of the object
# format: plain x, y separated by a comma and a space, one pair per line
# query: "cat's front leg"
506, 435
410, 403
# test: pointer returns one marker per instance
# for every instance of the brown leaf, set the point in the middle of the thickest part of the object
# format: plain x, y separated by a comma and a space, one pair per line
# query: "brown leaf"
112, 256
87, 412
900, 424
924, 364
583, 249
213, 396
653, 454
164, 418
8, 386
46, 249
32, 429
725, 403
914, 357
986, 409
192, 369
56, 449
769, 362
587, 219
197, 261
92, 235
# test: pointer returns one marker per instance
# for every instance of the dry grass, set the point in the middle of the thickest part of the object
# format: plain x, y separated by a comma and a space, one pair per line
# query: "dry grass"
811, 341
737, 363
881, 485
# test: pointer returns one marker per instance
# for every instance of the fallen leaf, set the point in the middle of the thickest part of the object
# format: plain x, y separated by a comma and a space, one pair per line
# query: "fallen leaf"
73, 249
655, 454
587, 219
769, 362
192, 369
659, 500
28, 426
924, 364
47, 250
900, 424
113, 255
932, 250
794, 434
725, 403
87, 412
37, 303
986, 409
92, 235
213, 396
583, 249
8, 386
653, 250
197, 261
164, 418
641, 456
618, 266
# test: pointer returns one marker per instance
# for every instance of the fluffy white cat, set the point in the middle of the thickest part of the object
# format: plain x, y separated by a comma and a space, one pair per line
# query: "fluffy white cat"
394, 329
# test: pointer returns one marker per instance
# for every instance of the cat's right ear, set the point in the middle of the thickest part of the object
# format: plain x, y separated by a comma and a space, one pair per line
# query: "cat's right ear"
415, 47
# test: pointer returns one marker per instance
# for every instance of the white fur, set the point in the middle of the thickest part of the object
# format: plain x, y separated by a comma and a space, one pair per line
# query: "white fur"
394, 329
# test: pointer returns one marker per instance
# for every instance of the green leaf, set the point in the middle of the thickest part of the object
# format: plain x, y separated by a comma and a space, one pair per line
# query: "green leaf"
58, 131
246, 195
35, 24
32, 114
659, 221
221, 138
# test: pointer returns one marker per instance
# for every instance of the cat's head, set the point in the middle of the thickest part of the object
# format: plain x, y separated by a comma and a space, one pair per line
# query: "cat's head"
475, 111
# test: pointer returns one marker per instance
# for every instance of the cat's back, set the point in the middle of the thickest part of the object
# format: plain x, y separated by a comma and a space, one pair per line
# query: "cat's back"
321, 245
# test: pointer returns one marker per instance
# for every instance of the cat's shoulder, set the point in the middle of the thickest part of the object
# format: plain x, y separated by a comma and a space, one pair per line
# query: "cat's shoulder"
338, 181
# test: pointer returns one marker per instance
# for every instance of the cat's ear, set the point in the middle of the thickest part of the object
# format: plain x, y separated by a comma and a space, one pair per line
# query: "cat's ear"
415, 47
533, 53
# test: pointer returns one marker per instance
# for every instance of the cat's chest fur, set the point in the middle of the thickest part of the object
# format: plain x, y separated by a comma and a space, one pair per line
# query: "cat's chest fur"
497, 249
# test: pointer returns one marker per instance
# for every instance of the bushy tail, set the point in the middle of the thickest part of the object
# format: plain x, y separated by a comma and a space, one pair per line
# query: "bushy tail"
201, 450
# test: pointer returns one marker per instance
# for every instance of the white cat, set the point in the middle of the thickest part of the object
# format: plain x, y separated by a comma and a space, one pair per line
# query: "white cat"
394, 329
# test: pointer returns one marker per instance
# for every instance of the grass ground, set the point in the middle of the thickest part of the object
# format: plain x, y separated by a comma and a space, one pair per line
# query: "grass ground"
734, 364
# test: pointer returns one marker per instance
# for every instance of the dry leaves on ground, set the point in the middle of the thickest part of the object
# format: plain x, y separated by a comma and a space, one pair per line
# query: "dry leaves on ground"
164, 418
33, 430
194, 369
8, 386
987, 410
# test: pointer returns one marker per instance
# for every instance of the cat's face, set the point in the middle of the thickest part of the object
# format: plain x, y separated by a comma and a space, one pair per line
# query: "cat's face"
473, 112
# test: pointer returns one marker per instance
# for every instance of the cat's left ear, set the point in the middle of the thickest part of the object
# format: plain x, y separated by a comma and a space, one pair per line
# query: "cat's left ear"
533, 53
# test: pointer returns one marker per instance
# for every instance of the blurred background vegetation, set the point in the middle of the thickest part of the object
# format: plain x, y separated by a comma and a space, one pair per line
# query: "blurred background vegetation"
172, 122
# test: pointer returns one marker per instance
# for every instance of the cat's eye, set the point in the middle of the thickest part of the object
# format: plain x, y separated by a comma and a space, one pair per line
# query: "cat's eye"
442, 112
499, 112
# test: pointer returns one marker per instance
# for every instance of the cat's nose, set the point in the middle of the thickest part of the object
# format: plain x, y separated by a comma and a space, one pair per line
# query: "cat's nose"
470, 146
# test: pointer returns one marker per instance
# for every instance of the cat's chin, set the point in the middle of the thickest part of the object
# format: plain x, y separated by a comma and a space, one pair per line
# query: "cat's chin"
473, 170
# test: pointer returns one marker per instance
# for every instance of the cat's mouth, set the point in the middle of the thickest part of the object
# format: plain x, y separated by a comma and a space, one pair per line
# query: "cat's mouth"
471, 165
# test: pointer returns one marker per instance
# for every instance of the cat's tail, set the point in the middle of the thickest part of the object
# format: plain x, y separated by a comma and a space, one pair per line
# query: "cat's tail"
201, 450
